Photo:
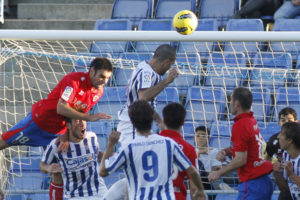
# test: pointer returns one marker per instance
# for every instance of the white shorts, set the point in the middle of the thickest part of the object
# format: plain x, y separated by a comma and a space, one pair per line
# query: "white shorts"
127, 131
117, 191
100, 196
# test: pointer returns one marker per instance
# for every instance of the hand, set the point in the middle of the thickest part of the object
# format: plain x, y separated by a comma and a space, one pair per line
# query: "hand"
213, 176
1, 195
221, 156
288, 166
278, 167
198, 194
98, 116
64, 143
114, 137
55, 168
172, 74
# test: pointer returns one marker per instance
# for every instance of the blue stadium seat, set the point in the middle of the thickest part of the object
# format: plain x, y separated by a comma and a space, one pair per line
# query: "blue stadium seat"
35, 151
268, 129
269, 70
286, 97
26, 174
166, 9
85, 58
289, 47
296, 76
152, 25
123, 9
262, 103
101, 127
114, 48
38, 196
205, 105
221, 142
226, 196
248, 48
111, 102
226, 69
221, 128
16, 197
168, 95
189, 128
222, 10
203, 48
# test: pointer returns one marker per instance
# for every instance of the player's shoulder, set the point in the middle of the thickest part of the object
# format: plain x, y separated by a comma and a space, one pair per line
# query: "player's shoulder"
90, 134
53, 144
76, 76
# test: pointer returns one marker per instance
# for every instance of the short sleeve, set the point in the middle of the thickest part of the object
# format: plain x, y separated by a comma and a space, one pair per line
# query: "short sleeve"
145, 79
180, 160
240, 138
115, 162
69, 88
49, 154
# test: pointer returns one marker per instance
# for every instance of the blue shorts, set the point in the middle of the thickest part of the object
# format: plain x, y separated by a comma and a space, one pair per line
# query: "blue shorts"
260, 188
26, 132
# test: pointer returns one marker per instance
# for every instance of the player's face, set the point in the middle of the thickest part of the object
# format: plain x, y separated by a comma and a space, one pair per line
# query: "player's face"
166, 65
286, 118
283, 141
99, 78
78, 128
201, 139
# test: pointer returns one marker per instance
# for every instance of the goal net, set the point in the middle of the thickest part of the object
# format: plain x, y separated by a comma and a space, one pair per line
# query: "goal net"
211, 65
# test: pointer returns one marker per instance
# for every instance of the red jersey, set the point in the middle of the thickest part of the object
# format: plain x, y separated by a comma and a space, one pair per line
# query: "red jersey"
246, 137
190, 152
76, 89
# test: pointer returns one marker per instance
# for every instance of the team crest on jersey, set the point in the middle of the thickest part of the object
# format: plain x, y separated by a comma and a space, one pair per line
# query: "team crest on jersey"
82, 78
96, 97
147, 77
81, 93
67, 93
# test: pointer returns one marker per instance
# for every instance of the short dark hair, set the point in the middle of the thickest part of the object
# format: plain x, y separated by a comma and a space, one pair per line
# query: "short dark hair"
243, 96
141, 115
288, 111
174, 115
101, 63
204, 129
164, 51
292, 131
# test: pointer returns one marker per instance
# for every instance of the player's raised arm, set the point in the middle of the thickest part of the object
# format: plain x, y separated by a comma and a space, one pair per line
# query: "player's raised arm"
196, 179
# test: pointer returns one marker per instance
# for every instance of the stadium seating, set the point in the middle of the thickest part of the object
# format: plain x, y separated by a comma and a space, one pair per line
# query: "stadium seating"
111, 102
114, 48
38, 196
205, 105
102, 129
226, 69
168, 95
267, 71
17, 197
166, 9
248, 48
261, 105
226, 196
268, 129
203, 48
286, 97
222, 10
219, 142
290, 47
133, 10
152, 25
128, 62
221, 128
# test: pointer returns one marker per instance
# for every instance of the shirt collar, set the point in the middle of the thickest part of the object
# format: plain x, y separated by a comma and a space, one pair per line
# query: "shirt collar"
243, 115
170, 132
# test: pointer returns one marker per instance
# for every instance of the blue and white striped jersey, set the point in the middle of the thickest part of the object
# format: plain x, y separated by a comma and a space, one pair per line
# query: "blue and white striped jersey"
80, 167
148, 164
142, 77
294, 189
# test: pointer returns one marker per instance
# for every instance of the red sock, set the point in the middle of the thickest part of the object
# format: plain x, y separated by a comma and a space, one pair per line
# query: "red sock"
56, 191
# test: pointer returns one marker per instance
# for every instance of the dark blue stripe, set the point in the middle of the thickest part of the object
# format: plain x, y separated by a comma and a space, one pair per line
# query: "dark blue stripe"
130, 95
151, 193
91, 170
159, 192
167, 191
80, 189
142, 193
168, 146
78, 150
74, 181
112, 167
47, 155
132, 166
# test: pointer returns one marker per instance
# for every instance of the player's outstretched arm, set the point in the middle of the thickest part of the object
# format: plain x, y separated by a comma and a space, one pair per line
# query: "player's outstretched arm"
50, 168
64, 109
150, 93
112, 140
198, 194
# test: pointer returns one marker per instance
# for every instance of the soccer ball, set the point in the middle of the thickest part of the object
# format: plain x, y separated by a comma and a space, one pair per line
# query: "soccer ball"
185, 22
